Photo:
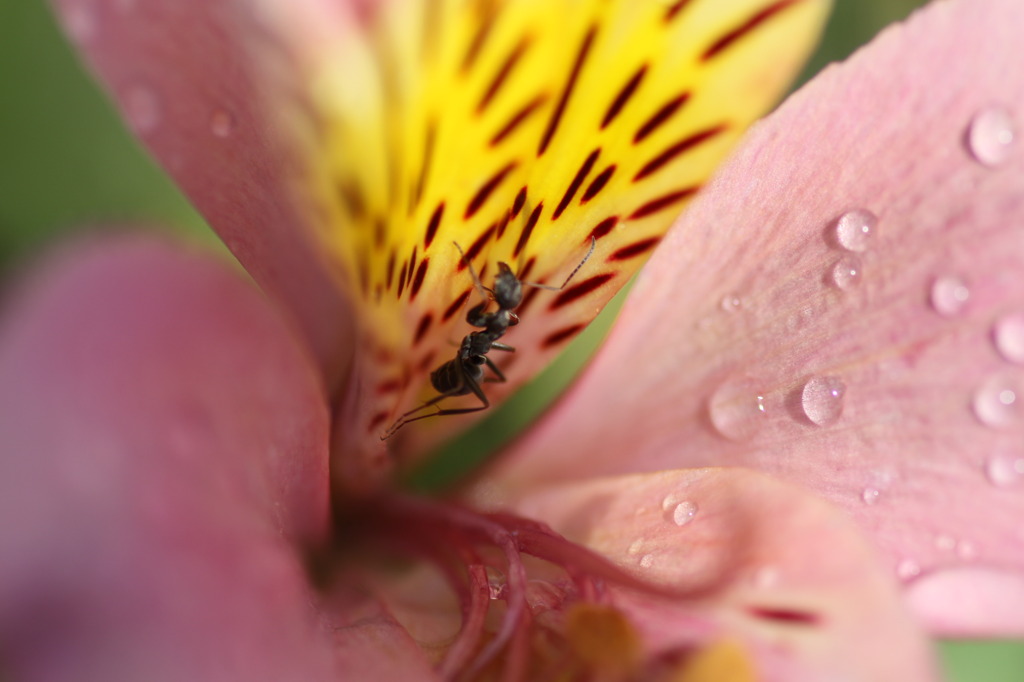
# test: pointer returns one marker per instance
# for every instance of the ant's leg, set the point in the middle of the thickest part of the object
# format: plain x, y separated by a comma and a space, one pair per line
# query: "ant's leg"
459, 389
472, 273
494, 368
468, 382
501, 346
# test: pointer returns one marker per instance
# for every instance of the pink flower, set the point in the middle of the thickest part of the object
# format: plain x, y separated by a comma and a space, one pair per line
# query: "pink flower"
812, 396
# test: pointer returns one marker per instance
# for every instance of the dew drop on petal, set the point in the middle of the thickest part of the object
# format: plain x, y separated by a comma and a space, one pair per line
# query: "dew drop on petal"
949, 295
999, 401
855, 229
966, 550
684, 512
222, 123
647, 560
1005, 468
142, 109
870, 495
731, 303
635, 547
847, 272
907, 568
1008, 335
822, 400
990, 136
766, 576
737, 409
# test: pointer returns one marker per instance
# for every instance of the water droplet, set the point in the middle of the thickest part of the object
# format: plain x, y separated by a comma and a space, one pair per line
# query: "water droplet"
766, 576
999, 401
870, 495
635, 547
737, 409
222, 123
731, 303
847, 272
822, 400
1005, 468
907, 569
990, 136
80, 21
1008, 335
142, 108
647, 560
855, 229
949, 295
684, 512
496, 590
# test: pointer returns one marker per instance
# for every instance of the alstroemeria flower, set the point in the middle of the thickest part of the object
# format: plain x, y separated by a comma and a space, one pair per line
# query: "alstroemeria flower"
840, 307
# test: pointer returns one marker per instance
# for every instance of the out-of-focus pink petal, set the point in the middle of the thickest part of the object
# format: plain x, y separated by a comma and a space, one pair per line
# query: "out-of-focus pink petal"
913, 343
164, 460
784, 573
191, 79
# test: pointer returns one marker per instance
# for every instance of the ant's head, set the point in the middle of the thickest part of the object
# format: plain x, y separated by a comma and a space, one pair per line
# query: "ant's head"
508, 290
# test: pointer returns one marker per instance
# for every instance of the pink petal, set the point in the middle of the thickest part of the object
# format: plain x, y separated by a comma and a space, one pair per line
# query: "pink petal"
164, 459
783, 572
740, 302
191, 79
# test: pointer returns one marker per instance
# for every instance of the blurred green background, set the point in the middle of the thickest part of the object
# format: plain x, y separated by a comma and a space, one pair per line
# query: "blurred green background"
66, 161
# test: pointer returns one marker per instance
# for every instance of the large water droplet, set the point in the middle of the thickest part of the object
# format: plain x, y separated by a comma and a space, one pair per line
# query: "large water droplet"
907, 568
737, 409
855, 229
684, 512
999, 401
991, 135
847, 272
949, 295
647, 560
822, 399
635, 547
142, 108
1005, 468
222, 123
1008, 335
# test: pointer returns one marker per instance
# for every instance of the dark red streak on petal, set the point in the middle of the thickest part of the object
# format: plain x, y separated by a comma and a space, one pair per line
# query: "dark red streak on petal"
674, 9
746, 27
527, 269
388, 386
476, 247
563, 101
598, 184
503, 73
401, 279
379, 230
561, 335
517, 119
483, 29
450, 311
681, 147
435, 222
660, 117
376, 420
417, 282
785, 615
527, 230
577, 181
502, 224
635, 249
519, 202
578, 291
623, 97
391, 269
353, 198
427, 362
422, 327
412, 265
604, 227
487, 189
663, 202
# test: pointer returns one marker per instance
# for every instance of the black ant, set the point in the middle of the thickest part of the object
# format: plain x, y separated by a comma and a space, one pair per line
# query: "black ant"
465, 372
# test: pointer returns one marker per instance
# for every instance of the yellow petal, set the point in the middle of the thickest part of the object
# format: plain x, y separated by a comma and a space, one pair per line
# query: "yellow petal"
520, 130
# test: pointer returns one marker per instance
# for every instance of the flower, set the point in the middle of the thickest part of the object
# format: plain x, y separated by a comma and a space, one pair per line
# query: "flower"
155, 528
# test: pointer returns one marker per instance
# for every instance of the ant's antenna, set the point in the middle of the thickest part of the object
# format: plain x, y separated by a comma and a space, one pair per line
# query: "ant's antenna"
472, 273
548, 287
